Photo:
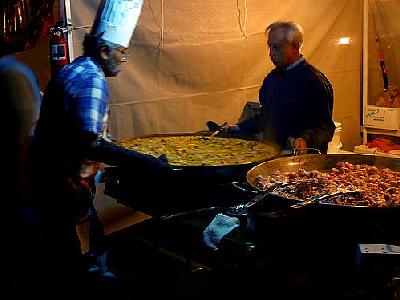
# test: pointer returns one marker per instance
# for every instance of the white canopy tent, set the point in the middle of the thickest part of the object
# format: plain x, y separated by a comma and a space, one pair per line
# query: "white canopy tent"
194, 61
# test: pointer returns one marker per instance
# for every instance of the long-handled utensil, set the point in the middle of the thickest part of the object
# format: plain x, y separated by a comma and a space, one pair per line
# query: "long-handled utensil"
319, 198
218, 130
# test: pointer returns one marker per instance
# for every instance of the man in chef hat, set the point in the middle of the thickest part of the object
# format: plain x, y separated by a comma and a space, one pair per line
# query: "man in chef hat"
68, 138
111, 32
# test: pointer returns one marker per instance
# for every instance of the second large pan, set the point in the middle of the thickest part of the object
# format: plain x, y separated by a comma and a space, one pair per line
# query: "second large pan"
319, 163
337, 225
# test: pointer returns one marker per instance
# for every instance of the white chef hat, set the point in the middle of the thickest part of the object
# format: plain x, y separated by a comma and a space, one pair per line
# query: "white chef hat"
116, 20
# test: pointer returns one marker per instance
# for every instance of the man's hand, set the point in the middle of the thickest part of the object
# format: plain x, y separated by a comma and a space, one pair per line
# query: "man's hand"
230, 128
300, 143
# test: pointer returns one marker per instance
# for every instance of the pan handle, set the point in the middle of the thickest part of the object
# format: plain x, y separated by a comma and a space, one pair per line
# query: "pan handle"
191, 213
244, 187
306, 203
297, 151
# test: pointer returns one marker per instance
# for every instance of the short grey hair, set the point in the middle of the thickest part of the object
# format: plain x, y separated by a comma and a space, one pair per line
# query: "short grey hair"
293, 30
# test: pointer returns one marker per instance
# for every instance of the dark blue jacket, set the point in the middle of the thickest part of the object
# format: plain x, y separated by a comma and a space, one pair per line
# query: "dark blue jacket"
294, 103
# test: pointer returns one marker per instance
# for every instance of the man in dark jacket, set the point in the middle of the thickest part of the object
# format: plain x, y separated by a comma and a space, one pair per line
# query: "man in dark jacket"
296, 98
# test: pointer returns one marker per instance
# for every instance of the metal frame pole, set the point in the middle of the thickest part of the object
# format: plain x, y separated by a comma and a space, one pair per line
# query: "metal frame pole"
65, 14
365, 6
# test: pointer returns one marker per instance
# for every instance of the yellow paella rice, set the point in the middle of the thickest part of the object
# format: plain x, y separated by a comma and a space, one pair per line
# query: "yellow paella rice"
201, 150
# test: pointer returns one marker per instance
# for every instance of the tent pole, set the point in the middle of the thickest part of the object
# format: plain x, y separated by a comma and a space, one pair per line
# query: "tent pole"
364, 67
65, 14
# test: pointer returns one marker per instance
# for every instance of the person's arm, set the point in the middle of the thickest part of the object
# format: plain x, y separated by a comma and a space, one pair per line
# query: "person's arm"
115, 155
246, 127
251, 125
91, 124
318, 111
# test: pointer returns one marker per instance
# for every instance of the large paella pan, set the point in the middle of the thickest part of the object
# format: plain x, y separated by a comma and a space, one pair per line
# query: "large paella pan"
217, 158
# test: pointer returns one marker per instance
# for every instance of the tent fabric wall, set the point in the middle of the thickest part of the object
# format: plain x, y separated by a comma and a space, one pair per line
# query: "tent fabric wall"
193, 61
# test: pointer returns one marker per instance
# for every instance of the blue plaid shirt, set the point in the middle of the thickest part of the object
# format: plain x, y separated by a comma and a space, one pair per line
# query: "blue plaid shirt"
85, 93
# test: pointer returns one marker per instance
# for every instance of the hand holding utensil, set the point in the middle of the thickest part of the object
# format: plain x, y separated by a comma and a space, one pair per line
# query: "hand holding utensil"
220, 128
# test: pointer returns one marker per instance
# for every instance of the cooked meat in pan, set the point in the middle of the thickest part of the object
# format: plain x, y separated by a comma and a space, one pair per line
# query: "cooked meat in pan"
376, 187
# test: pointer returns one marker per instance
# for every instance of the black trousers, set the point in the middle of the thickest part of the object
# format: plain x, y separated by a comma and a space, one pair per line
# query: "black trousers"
97, 237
